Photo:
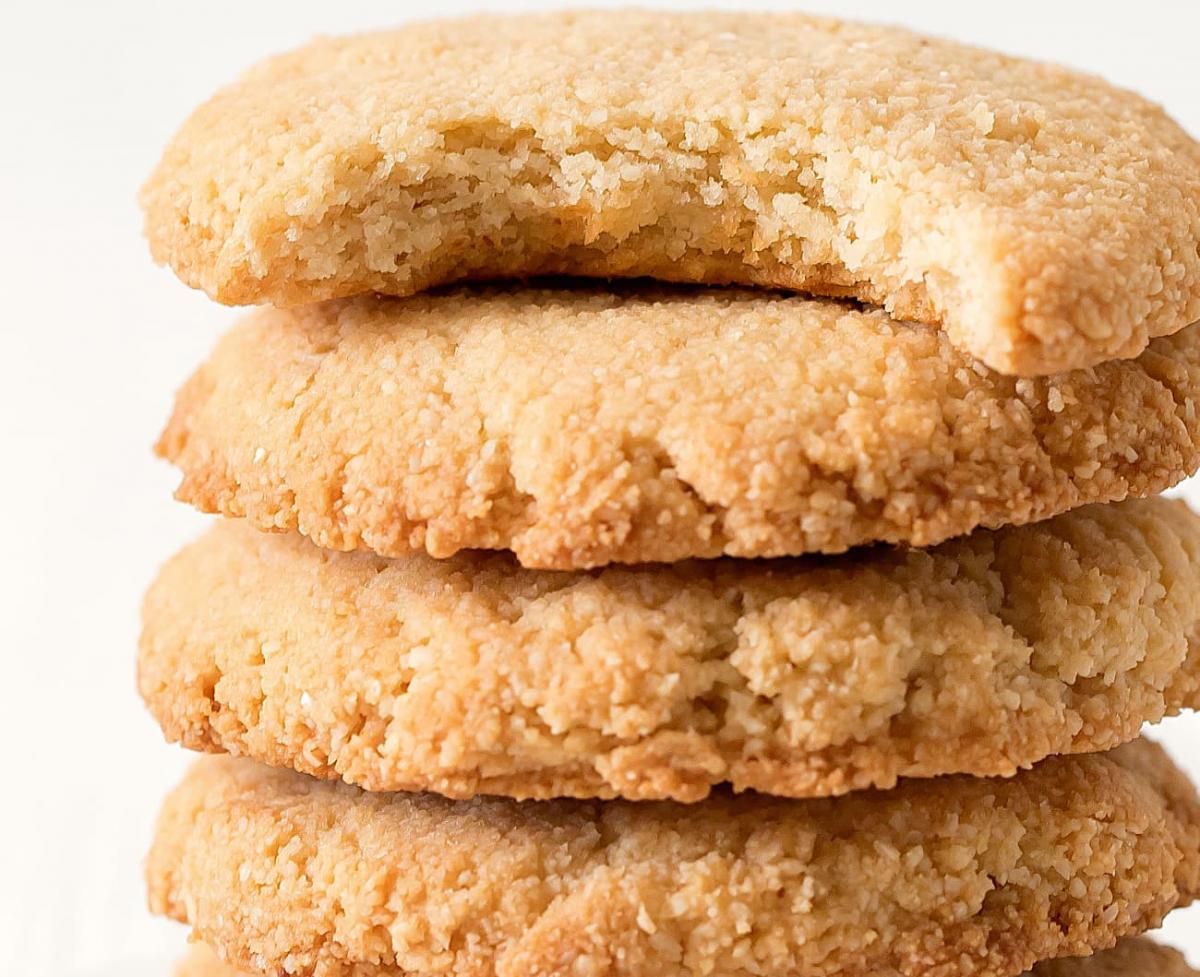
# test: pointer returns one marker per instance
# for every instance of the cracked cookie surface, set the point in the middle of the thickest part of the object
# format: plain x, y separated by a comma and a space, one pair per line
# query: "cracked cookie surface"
578, 428
802, 677
953, 877
1047, 220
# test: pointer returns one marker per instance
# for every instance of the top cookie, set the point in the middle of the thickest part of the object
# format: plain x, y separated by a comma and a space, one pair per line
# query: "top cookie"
1044, 218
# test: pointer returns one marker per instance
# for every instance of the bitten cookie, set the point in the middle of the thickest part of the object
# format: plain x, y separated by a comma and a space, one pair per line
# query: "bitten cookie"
580, 428
1137, 957
1047, 220
799, 678
954, 877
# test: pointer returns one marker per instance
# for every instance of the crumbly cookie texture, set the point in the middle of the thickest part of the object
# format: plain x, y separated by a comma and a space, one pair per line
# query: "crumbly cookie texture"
578, 428
1137, 957
1046, 219
799, 678
953, 877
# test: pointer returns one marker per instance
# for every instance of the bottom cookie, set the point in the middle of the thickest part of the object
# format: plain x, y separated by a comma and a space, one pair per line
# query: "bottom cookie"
949, 877
1135, 957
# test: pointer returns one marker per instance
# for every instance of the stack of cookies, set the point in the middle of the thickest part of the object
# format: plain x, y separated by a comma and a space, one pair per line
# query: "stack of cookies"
780, 594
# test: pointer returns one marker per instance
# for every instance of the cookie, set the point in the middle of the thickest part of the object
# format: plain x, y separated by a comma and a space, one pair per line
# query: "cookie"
1137, 957
798, 678
1047, 220
579, 428
956, 876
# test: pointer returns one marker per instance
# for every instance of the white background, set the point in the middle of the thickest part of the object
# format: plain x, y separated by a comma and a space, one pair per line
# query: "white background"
95, 341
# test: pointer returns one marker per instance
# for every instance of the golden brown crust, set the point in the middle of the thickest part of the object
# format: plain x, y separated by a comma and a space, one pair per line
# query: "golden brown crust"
1137, 957
580, 428
953, 877
1047, 219
799, 678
